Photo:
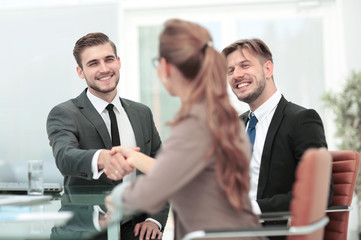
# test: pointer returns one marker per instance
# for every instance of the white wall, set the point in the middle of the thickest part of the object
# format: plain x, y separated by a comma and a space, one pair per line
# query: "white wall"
352, 33
307, 39
38, 69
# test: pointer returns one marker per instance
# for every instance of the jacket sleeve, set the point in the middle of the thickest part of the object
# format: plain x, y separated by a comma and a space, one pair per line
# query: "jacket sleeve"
310, 134
63, 134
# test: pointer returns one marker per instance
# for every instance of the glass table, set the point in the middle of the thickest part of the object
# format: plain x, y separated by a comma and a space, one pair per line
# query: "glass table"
76, 213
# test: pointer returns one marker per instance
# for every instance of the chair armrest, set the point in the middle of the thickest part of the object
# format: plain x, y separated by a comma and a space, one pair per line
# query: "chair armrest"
343, 208
237, 232
285, 215
275, 216
259, 231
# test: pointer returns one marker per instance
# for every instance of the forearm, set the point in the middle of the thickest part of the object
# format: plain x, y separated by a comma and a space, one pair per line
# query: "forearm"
142, 162
63, 134
75, 162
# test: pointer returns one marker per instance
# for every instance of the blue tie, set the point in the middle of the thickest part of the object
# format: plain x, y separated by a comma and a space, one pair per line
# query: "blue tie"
252, 128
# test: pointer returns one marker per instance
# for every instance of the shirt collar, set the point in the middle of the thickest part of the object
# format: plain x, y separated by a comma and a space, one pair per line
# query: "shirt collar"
267, 107
99, 104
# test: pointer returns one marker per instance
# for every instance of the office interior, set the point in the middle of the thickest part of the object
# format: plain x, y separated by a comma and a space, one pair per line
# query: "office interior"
315, 44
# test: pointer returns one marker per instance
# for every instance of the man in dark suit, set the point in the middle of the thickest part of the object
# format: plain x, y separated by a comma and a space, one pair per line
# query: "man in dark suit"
283, 130
81, 130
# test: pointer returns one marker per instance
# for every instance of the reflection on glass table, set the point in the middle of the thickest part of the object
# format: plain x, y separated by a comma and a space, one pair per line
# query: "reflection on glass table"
90, 214
78, 213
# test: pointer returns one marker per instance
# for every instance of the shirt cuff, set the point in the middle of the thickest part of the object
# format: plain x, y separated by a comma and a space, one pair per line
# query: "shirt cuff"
96, 218
255, 207
155, 221
96, 173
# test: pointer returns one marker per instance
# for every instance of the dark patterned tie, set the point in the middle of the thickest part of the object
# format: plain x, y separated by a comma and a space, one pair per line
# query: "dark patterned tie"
252, 128
113, 125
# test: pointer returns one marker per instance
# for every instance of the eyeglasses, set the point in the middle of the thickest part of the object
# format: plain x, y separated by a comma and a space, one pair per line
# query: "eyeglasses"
155, 61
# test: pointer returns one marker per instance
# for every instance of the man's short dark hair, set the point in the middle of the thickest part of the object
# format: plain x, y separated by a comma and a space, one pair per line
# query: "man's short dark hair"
90, 40
255, 45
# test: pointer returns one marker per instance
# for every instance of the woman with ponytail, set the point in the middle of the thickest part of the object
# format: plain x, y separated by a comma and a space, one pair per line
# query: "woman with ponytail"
203, 167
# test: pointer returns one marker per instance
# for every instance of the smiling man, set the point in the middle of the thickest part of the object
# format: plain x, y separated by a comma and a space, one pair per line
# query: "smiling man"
84, 129
283, 130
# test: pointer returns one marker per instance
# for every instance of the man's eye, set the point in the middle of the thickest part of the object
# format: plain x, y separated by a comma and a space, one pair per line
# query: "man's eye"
230, 72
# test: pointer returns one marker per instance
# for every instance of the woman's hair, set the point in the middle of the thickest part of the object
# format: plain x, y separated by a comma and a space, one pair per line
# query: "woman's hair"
188, 47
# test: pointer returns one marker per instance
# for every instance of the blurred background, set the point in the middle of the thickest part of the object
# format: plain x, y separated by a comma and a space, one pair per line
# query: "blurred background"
315, 44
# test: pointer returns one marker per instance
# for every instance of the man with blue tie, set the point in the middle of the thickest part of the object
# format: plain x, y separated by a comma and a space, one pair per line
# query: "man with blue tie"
282, 131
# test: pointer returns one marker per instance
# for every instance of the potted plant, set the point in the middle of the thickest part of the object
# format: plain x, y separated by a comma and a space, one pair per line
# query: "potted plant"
346, 106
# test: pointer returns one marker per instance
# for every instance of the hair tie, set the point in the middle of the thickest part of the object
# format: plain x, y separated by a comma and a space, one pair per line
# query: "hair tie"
207, 44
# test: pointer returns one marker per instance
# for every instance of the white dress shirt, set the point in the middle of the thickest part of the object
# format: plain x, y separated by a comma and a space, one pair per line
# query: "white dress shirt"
126, 135
264, 114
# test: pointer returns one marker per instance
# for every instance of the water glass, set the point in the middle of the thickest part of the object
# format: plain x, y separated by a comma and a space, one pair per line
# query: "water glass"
35, 177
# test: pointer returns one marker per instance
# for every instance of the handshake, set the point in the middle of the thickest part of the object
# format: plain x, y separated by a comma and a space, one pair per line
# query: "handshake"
121, 160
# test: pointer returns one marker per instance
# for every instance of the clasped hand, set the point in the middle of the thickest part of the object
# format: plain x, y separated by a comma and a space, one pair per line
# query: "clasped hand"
115, 164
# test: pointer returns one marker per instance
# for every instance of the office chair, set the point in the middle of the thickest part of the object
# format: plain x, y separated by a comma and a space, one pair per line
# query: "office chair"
345, 165
308, 206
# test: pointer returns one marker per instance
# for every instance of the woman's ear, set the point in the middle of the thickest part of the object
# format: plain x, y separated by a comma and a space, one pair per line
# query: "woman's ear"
163, 70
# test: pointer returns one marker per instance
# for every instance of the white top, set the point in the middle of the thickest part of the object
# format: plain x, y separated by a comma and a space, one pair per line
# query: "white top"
264, 115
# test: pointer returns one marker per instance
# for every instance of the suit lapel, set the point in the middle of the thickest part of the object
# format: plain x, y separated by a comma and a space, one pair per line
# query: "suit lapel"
88, 110
244, 117
133, 116
267, 148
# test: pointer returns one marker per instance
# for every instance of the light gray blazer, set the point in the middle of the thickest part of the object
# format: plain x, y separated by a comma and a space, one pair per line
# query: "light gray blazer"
184, 175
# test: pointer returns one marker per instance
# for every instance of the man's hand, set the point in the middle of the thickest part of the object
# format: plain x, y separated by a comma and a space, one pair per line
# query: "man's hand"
114, 165
147, 230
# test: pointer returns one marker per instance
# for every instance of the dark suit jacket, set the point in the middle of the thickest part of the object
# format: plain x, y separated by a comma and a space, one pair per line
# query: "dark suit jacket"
293, 129
76, 131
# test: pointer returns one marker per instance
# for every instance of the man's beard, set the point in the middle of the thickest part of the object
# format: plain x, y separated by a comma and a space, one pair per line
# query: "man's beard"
94, 87
98, 89
251, 97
